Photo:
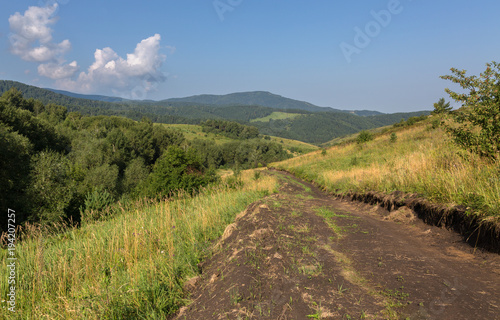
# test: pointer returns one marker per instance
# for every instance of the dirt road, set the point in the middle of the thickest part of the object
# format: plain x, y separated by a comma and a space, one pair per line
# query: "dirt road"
301, 254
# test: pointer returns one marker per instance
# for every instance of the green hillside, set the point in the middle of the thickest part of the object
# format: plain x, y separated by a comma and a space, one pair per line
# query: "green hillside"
270, 113
195, 132
318, 128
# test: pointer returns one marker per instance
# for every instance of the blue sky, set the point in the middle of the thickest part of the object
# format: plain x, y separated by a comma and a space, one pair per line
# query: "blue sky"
384, 55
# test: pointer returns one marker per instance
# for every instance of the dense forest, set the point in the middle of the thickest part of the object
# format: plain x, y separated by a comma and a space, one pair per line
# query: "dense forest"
230, 129
57, 165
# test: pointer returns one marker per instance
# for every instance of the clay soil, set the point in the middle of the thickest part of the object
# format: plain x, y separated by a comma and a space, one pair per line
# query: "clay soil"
302, 254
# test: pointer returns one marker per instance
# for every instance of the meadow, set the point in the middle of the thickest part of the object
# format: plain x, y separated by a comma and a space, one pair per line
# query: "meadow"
131, 265
192, 132
277, 116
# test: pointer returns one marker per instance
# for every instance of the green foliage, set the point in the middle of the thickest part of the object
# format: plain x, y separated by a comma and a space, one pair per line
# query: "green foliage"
52, 160
410, 121
245, 154
98, 199
476, 125
104, 176
95, 202
52, 192
364, 136
14, 172
230, 129
256, 175
441, 107
277, 116
393, 137
321, 127
176, 170
14, 113
135, 172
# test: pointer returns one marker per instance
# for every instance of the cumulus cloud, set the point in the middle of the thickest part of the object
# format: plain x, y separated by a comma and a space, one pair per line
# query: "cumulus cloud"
31, 39
57, 71
112, 72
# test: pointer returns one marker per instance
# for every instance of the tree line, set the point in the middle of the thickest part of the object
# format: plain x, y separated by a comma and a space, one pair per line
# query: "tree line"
230, 129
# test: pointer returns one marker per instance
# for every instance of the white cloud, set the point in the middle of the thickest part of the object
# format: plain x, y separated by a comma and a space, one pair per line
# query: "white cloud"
31, 40
112, 72
33, 25
31, 37
57, 71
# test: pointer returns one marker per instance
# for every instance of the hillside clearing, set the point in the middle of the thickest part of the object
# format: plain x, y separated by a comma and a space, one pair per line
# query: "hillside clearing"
277, 116
192, 132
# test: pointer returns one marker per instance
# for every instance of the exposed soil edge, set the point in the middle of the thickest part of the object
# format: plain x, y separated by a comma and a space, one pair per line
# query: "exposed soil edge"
476, 231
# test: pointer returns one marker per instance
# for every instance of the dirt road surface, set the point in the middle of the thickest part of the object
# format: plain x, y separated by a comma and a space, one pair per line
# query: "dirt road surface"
302, 254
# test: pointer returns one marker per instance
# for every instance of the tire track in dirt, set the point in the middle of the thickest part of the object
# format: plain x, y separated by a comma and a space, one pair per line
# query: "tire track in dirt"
301, 254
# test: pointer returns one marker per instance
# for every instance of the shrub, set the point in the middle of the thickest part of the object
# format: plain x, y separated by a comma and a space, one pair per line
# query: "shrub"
95, 203
441, 107
394, 137
364, 136
476, 125
176, 170
256, 175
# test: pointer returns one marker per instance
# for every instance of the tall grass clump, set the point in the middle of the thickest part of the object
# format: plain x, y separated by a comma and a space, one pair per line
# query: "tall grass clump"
131, 266
421, 160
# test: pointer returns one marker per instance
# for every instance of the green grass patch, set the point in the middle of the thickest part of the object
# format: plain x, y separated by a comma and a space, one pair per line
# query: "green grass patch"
277, 116
329, 214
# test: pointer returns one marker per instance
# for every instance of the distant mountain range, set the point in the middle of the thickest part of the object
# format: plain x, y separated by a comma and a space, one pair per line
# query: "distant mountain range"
252, 98
88, 96
311, 123
265, 99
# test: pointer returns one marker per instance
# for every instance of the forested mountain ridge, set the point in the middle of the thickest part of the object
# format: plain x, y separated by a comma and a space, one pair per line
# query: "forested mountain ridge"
260, 98
89, 97
317, 125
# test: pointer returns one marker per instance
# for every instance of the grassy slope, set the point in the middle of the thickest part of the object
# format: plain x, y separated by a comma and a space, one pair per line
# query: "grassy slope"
192, 132
277, 116
131, 266
422, 161
352, 137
